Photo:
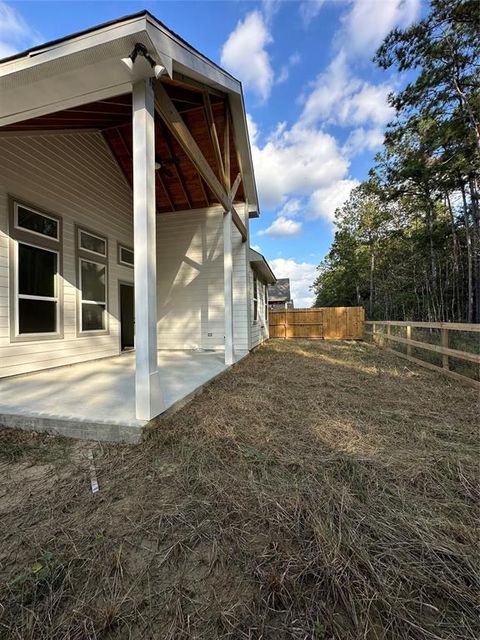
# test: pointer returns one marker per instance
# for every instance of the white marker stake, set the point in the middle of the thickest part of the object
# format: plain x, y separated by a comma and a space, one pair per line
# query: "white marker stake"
93, 473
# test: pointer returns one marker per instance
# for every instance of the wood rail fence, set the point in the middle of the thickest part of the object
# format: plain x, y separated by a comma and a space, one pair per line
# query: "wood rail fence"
386, 337
329, 323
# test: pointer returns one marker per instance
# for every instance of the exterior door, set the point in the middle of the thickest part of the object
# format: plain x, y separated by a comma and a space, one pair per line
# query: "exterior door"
127, 316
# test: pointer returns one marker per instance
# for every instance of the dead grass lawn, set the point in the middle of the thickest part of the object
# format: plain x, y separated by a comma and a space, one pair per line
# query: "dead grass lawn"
316, 491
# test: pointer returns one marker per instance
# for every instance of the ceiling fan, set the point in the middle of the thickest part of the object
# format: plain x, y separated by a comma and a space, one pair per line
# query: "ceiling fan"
163, 164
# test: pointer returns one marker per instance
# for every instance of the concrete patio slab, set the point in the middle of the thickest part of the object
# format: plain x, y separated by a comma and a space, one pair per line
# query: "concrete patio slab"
96, 399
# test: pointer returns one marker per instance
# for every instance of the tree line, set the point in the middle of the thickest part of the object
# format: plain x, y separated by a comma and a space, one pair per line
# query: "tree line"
407, 241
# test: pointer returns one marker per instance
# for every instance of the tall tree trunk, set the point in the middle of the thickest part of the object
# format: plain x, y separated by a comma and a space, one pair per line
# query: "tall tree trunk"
372, 293
456, 263
475, 246
468, 238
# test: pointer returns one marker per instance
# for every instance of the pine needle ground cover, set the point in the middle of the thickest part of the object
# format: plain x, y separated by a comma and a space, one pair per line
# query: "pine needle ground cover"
318, 490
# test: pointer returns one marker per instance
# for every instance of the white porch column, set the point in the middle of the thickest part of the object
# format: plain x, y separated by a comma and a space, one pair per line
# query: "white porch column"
148, 396
228, 286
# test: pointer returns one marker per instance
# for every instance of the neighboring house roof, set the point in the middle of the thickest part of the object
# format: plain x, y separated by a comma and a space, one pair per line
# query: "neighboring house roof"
280, 291
52, 77
261, 267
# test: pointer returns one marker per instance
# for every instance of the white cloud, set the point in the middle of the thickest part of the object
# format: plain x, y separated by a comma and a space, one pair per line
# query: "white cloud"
362, 139
294, 162
338, 97
284, 73
15, 33
252, 129
324, 202
282, 227
291, 208
369, 21
309, 9
245, 55
301, 274
270, 8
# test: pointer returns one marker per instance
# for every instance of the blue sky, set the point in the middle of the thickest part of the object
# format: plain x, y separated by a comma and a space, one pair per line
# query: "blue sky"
317, 105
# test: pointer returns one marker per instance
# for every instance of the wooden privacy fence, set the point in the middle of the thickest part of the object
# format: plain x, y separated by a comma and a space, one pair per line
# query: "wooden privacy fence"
469, 373
330, 323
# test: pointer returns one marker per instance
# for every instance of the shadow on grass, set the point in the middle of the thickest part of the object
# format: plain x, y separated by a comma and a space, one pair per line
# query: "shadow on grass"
317, 490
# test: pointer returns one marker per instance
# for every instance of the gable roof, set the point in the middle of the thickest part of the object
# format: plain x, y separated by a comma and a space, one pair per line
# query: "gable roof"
280, 291
51, 77
109, 23
261, 267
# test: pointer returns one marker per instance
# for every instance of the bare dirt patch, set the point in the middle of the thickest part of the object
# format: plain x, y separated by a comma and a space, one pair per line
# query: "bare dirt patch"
317, 490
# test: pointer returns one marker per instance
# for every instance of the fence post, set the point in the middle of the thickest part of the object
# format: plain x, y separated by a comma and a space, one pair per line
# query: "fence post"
409, 337
444, 343
374, 337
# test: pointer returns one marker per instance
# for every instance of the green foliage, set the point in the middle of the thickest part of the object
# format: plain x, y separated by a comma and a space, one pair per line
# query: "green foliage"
408, 240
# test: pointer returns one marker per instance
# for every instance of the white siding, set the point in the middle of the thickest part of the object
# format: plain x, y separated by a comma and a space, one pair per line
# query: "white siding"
259, 331
190, 279
74, 176
241, 267
190, 298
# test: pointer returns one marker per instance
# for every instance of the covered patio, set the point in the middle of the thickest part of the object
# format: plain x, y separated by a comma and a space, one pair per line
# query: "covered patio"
133, 146
96, 399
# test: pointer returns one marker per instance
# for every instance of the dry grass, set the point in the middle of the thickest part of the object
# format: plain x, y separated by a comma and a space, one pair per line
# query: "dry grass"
316, 491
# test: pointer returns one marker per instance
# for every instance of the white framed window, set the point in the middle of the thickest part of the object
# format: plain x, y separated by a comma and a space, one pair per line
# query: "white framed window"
36, 287
35, 222
92, 243
125, 256
255, 298
93, 295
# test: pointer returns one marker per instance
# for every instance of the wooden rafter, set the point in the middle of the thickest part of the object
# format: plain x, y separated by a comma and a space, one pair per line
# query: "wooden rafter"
212, 130
177, 126
157, 177
234, 189
175, 123
226, 147
230, 121
177, 170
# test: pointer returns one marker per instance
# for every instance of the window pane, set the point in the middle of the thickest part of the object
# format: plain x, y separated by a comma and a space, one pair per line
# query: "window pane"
91, 243
93, 281
37, 316
37, 269
93, 317
255, 310
126, 255
36, 222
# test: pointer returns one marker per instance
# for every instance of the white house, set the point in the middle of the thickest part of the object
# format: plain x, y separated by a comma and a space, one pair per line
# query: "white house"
126, 189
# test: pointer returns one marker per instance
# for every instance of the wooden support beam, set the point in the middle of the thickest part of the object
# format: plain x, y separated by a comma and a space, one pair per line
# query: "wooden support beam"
232, 129
226, 146
175, 123
212, 130
234, 189
237, 221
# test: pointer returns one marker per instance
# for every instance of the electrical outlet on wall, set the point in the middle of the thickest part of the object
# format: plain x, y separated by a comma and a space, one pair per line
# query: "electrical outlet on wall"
209, 335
